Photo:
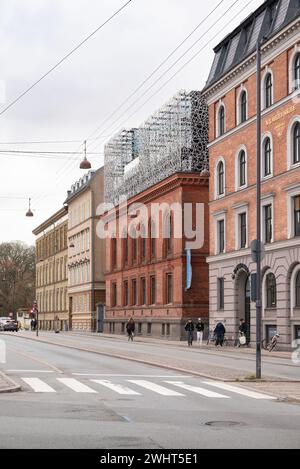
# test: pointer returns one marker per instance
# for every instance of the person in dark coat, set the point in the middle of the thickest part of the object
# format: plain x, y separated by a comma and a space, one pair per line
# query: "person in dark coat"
219, 333
243, 331
130, 327
189, 327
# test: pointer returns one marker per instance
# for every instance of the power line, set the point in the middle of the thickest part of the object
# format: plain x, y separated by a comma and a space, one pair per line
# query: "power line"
157, 68
63, 59
169, 68
47, 152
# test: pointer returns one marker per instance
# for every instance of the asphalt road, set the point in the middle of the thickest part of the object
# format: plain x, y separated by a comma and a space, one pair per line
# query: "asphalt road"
74, 399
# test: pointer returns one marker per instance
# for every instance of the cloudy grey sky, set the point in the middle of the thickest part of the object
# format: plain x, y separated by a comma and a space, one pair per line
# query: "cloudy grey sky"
79, 96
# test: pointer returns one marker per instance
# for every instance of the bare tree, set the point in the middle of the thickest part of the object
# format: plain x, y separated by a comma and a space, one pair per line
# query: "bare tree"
17, 276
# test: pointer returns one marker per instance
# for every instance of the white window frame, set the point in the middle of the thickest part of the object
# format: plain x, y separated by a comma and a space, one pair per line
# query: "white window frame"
291, 193
239, 104
267, 200
220, 104
217, 195
290, 143
237, 169
219, 217
291, 69
239, 210
263, 140
268, 71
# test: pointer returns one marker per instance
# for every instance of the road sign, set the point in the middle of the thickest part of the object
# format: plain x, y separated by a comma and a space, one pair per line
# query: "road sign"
255, 247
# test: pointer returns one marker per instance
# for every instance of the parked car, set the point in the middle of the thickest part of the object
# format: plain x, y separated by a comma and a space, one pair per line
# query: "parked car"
3, 321
11, 326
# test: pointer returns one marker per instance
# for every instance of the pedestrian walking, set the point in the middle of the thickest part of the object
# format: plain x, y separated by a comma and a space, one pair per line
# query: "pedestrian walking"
219, 333
189, 327
242, 333
32, 324
130, 327
200, 330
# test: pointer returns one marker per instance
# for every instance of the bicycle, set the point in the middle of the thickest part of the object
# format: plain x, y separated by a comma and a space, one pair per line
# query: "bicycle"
270, 345
212, 339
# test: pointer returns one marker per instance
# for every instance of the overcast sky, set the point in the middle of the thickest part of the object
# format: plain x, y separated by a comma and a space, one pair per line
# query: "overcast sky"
76, 98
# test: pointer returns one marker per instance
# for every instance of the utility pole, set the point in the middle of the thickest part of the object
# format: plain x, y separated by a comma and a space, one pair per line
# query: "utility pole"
258, 212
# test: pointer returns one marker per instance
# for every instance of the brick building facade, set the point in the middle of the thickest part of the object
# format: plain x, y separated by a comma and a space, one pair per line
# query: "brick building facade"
146, 271
231, 96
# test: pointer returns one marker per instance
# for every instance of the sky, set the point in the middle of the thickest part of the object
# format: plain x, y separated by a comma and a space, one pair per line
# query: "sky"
84, 93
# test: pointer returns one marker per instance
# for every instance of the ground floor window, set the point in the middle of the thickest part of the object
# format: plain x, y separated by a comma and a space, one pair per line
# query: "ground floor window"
149, 328
123, 327
111, 327
271, 330
140, 325
297, 332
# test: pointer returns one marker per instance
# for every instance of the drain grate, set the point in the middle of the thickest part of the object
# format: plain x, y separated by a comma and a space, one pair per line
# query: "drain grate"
224, 424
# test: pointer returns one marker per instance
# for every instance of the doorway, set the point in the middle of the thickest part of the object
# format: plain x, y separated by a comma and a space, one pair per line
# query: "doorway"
248, 308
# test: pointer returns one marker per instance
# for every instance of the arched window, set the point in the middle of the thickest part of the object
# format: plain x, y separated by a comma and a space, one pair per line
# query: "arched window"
242, 168
134, 245
243, 107
267, 170
297, 72
297, 292
268, 90
271, 291
220, 178
221, 121
113, 253
296, 143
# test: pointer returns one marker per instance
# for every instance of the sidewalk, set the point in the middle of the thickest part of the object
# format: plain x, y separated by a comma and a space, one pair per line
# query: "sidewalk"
7, 384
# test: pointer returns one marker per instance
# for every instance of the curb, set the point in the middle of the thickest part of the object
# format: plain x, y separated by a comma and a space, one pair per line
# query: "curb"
152, 363
14, 387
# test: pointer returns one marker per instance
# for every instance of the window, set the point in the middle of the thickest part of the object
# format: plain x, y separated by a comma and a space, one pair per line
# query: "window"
268, 90
114, 294
114, 253
271, 291
143, 243
143, 291
169, 235
297, 293
152, 290
153, 240
297, 72
297, 215
220, 293
149, 328
221, 121
243, 230
268, 224
163, 329
220, 178
140, 327
221, 236
134, 246
242, 168
243, 107
267, 158
169, 288
296, 143
134, 292
125, 249
125, 293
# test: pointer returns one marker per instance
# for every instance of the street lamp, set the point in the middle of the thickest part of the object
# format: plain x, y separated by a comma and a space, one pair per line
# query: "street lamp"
29, 212
85, 164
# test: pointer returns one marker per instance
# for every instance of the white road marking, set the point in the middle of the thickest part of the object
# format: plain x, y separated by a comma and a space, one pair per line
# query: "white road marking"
29, 371
38, 385
76, 385
238, 390
198, 390
131, 376
118, 388
155, 388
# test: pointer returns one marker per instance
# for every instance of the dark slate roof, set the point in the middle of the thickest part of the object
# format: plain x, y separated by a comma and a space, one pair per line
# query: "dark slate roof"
267, 20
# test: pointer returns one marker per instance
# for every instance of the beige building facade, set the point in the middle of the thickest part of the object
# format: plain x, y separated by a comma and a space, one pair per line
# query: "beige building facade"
86, 255
52, 272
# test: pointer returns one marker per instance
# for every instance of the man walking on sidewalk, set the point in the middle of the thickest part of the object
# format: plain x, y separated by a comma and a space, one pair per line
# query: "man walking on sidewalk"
200, 330
189, 327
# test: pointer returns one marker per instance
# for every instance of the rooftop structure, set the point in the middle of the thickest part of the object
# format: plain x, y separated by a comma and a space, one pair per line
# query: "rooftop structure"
174, 139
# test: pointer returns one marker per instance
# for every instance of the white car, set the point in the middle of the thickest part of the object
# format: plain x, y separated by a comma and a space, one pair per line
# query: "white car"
3, 321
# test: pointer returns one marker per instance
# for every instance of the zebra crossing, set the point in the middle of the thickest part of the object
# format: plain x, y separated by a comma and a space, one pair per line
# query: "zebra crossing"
138, 387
